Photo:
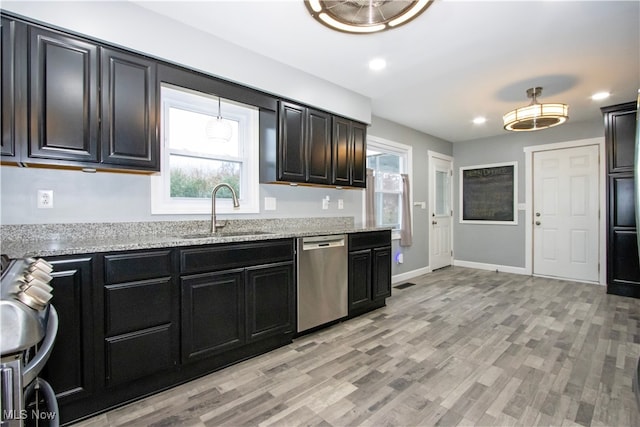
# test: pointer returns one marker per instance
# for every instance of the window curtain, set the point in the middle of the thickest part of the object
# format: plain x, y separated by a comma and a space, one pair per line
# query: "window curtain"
370, 196
405, 231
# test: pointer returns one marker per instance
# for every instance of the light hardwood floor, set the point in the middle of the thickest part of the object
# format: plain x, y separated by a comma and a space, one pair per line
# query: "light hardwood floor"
461, 347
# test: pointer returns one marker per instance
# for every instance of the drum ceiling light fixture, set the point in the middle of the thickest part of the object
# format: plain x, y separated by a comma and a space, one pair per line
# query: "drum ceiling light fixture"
535, 116
365, 16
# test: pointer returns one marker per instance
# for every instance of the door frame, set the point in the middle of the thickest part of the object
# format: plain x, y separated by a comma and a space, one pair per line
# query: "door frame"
430, 155
529, 151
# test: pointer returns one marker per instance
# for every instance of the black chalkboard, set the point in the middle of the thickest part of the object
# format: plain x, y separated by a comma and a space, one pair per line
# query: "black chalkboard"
488, 193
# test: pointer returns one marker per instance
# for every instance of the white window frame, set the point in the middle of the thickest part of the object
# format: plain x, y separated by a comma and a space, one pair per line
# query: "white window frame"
402, 150
162, 203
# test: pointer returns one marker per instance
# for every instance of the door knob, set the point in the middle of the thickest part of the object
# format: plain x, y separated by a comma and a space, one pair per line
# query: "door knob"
434, 222
537, 213
537, 222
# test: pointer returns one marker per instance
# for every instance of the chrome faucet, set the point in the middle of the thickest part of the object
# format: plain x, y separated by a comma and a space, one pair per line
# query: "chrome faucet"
214, 224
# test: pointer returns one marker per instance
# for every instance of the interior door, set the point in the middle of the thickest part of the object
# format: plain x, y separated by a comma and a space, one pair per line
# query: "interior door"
565, 213
441, 235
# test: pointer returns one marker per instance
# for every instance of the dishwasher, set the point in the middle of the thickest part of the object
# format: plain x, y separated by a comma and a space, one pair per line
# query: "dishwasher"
322, 280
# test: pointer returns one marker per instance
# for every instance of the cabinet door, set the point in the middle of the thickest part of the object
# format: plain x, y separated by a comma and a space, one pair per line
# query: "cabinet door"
128, 110
621, 136
70, 366
291, 147
63, 97
13, 84
359, 153
381, 281
342, 150
270, 300
359, 279
318, 147
213, 314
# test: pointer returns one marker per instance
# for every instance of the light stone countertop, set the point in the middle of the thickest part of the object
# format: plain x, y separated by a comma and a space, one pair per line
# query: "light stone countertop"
47, 240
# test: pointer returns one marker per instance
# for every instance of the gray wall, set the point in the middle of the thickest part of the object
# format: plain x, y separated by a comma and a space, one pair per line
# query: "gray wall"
417, 255
505, 244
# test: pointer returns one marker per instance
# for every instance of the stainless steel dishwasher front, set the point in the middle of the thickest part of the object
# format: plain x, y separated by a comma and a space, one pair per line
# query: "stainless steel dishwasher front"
322, 280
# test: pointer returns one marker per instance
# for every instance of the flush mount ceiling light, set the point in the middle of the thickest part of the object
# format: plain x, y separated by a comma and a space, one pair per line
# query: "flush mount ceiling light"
535, 116
218, 128
365, 16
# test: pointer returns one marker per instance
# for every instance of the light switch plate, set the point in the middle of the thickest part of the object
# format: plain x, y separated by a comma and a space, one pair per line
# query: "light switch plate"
269, 203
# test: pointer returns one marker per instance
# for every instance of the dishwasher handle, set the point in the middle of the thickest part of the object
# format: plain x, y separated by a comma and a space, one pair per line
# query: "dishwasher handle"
323, 242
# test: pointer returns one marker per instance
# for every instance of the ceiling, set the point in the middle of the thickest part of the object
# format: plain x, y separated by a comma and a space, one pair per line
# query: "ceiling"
456, 61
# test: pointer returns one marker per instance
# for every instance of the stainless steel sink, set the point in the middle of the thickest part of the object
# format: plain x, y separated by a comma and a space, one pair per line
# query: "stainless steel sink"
223, 234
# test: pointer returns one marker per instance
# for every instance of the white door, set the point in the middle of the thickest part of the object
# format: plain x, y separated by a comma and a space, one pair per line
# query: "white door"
565, 213
440, 213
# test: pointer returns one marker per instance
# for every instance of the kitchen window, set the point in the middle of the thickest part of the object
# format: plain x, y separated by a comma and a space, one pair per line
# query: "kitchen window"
205, 141
388, 160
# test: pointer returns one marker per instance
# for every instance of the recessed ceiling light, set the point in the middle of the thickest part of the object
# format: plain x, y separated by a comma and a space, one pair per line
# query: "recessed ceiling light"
479, 120
377, 64
600, 95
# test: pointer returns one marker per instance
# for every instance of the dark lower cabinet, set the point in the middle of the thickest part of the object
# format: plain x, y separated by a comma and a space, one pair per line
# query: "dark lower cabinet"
369, 270
270, 300
213, 318
140, 328
252, 300
623, 268
70, 369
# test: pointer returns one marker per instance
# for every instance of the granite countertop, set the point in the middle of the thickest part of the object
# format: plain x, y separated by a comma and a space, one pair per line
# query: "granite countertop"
46, 240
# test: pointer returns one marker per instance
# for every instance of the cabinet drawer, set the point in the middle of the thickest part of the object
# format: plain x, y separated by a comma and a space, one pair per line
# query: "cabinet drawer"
371, 239
138, 266
133, 356
229, 256
133, 306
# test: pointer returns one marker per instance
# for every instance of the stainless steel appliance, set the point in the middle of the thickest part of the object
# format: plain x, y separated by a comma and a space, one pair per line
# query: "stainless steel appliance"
322, 280
28, 329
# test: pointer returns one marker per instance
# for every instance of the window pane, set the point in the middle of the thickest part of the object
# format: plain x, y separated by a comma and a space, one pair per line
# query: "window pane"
443, 204
195, 177
384, 162
388, 182
388, 210
188, 132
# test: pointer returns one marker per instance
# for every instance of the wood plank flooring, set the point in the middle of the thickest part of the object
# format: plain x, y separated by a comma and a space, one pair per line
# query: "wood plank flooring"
462, 347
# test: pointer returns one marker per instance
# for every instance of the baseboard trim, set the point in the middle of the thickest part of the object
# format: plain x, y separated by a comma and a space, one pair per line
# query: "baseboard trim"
490, 267
403, 277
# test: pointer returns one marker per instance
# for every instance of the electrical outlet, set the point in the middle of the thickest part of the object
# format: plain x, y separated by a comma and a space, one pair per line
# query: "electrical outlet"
45, 199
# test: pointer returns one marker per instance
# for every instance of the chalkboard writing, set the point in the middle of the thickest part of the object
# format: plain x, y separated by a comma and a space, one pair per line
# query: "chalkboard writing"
488, 193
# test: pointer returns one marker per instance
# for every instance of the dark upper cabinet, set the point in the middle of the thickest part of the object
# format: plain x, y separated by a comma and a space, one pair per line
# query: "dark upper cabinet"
342, 152
128, 113
310, 146
69, 101
292, 147
623, 268
304, 153
318, 147
63, 103
13, 114
349, 153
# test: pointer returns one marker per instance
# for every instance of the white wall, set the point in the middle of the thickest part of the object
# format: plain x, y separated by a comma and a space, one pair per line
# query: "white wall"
133, 27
